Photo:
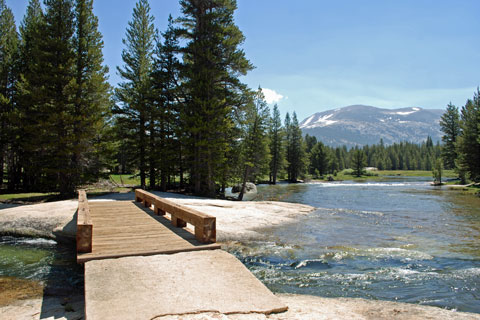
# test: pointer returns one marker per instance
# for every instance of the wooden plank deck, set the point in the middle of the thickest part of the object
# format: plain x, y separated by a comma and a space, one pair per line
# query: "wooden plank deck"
126, 228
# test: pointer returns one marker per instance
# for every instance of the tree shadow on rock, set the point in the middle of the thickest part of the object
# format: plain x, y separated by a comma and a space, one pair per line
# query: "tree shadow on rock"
63, 294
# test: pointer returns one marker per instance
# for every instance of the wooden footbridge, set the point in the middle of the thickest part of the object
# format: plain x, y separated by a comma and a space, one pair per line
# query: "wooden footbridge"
131, 272
149, 225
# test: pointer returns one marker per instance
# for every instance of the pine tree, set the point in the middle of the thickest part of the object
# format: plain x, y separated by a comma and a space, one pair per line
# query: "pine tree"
91, 98
319, 159
134, 93
213, 63
359, 161
288, 144
165, 79
255, 143
468, 142
437, 171
277, 150
29, 96
449, 124
49, 93
296, 150
8, 78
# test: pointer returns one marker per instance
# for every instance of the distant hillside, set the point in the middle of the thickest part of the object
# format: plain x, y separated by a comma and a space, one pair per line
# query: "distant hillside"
361, 125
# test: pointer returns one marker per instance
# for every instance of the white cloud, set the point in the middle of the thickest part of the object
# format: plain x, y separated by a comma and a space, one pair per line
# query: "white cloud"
271, 96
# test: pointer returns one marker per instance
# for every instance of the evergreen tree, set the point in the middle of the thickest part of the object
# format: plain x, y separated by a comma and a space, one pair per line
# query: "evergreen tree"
288, 138
449, 124
213, 63
91, 98
277, 150
165, 79
437, 171
319, 159
255, 143
359, 161
468, 142
8, 78
310, 142
134, 93
47, 96
28, 95
296, 149
429, 142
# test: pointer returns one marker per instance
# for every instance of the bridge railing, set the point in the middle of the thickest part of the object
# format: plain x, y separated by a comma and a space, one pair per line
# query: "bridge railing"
84, 224
205, 225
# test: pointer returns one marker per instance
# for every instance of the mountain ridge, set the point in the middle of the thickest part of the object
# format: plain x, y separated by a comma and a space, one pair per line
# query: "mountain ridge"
358, 125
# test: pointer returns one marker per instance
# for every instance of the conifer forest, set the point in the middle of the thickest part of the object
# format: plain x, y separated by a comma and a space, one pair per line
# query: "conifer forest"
181, 118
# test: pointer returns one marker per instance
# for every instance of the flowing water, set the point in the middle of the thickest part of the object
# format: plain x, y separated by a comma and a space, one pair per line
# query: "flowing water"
400, 241
32, 267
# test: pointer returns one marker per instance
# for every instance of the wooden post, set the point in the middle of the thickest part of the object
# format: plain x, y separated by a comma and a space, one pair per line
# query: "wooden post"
158, 211
177, 222
84, 224
206, 233
84, 237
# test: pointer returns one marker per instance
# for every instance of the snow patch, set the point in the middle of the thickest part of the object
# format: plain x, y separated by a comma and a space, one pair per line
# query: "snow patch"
320, 122
308, 121
406, 113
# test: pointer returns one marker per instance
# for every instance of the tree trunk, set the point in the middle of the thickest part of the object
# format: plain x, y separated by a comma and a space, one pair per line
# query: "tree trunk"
196, 167
151, 162
244, 183
1, 166
274, 174
142, 153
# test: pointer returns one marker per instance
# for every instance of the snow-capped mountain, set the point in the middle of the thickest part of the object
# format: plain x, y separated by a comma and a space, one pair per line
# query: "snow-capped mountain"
361, 125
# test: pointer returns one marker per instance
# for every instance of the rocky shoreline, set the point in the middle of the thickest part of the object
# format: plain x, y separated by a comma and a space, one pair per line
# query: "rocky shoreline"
236, 221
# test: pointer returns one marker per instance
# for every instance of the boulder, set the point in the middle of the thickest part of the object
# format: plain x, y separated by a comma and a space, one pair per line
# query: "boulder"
249, 188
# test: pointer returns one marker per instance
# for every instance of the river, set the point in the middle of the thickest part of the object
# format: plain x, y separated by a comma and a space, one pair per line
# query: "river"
399, 240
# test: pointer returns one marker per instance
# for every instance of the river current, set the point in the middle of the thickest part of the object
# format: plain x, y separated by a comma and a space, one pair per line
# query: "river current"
400, 240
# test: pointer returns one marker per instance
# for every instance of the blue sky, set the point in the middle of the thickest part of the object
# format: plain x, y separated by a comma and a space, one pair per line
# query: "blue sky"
317, 55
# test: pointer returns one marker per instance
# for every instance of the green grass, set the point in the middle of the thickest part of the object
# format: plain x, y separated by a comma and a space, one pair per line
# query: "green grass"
415, 173
473, 190
123, 179
35, 196
384, 174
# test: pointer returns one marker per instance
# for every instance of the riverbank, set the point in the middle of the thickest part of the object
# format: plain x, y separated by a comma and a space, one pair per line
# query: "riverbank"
235, 221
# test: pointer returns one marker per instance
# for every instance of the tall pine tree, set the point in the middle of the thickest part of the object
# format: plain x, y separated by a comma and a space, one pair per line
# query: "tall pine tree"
449, 124
165, 79
277, 150
28, 95
297, 157
51, 91
213, 63
91, 98
8, 78
255, 142
468, 142
135, 93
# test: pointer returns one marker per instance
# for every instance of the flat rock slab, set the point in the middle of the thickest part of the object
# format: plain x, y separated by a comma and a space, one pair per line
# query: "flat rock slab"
182, 283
